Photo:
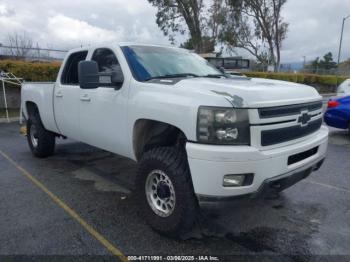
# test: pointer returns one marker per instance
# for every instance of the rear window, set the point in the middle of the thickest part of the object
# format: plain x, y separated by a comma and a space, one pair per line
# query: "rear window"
70, 71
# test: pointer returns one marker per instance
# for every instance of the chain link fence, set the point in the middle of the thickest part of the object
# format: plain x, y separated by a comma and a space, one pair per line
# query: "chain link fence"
31, 53
298, 68
317, 71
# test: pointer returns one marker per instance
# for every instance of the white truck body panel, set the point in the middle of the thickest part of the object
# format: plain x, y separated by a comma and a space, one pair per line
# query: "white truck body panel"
42, 95
106, 118
213, 162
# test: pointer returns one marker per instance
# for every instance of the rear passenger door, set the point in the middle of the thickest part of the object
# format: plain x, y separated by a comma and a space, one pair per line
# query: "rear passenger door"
66, 96
103, 110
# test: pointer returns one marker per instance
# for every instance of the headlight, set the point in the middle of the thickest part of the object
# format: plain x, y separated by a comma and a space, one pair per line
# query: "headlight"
225, 126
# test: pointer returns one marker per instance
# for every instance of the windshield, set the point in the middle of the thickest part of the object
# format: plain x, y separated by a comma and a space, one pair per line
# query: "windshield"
149, 62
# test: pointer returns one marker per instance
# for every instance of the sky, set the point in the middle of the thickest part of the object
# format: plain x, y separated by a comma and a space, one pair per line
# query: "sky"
314, 24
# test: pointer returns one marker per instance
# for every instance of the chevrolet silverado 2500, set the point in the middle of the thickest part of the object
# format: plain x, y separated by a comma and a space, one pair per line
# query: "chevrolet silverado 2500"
197, 134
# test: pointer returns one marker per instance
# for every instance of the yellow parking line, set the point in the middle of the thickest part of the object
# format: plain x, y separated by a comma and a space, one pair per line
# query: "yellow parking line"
115, 251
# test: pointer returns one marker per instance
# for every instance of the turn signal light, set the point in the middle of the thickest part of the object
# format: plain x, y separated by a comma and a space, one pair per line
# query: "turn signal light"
333, 103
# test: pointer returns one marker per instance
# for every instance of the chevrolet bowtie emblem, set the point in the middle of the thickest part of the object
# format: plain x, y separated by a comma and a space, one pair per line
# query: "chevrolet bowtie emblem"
304, 119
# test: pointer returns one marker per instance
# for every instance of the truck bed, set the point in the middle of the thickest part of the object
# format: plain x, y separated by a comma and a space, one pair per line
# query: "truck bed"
40, 93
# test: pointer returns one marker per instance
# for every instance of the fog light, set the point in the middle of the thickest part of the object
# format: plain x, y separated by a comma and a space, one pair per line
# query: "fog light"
238, 180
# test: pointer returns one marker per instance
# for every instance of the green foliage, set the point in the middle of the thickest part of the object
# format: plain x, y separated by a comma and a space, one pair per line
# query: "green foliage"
208, 44
257, 74
177, 16
257, 26
326, 63
31, 71
13, 112
188, 44
309, 79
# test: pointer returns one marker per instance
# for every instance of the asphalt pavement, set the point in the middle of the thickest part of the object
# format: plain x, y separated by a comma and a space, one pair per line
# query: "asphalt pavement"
79, 204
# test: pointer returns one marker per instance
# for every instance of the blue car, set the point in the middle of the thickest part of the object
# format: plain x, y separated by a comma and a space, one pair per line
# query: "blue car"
338, 113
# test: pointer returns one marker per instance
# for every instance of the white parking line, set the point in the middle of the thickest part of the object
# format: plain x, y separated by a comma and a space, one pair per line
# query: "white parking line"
328, 186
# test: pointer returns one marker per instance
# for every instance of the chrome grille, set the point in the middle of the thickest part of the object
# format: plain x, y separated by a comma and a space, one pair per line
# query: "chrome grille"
283, 124
281, 135
281, 111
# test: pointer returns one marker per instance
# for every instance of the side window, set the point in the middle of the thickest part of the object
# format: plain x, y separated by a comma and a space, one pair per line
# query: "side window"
106, 60
70, 71
217, 62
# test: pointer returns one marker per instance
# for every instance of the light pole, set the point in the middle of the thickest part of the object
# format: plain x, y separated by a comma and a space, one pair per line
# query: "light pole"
341, 38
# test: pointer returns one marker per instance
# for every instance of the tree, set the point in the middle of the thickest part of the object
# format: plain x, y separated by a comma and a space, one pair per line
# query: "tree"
208, 44
171, 14
20, 45
327, 63
313, 66
192, 16
259, 29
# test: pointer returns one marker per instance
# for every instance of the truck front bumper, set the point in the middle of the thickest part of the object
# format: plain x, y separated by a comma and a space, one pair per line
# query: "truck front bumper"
271, 169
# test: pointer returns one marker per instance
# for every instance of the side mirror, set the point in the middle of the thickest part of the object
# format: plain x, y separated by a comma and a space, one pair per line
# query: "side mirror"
90, 78
88, 75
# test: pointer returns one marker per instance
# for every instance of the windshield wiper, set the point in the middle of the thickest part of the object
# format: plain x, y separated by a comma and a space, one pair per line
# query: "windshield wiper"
215, 76
172, 76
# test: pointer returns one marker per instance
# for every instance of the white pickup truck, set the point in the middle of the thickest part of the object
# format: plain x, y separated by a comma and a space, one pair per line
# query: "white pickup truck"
197, 134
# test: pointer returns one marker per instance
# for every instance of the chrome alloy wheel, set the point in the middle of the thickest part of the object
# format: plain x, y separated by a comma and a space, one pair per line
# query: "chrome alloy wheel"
160, 193
33, 135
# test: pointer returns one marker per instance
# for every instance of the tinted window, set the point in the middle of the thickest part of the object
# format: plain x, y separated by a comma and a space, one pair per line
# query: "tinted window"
70, 72
243, 64
106, 60
231, 63
217, 62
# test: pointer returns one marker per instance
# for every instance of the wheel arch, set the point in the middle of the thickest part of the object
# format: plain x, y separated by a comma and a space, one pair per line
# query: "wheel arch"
31, 108
148, 134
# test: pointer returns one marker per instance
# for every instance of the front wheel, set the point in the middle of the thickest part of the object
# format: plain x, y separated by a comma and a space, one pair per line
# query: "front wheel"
40, 140
164, 191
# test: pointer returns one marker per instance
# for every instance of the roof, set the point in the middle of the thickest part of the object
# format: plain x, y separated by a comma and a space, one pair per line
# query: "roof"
109, 44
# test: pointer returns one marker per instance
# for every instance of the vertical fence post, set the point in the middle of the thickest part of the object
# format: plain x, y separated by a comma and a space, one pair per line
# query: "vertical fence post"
20, 114
5, 100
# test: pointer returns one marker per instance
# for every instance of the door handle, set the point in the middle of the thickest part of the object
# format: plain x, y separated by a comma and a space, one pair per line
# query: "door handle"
85, 98
59, 94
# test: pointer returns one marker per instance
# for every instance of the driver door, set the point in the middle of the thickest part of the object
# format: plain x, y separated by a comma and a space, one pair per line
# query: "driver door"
66, 97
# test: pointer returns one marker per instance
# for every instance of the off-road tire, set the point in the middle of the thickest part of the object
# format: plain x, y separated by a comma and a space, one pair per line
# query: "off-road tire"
173, 162
45, 139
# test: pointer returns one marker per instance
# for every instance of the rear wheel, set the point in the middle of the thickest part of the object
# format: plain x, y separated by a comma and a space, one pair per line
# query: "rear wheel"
164, 191
40, 140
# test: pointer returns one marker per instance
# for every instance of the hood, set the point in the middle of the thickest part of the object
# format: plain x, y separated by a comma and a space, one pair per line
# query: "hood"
250, 92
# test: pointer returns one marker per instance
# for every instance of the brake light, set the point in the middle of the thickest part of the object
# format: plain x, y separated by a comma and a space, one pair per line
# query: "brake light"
333, 103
